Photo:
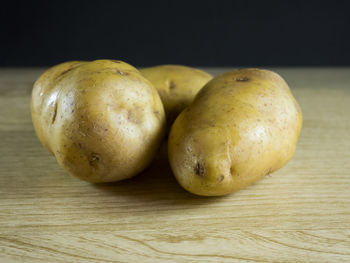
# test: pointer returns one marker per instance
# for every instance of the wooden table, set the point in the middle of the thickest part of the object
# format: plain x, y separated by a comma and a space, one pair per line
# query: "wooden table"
299, 214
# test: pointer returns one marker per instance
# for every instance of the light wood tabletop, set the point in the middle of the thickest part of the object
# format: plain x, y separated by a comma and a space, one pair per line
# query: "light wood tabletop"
300, 213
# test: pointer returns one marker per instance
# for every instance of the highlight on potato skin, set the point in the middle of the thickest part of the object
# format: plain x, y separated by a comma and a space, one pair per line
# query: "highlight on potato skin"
102, 120
177, 86
242, 126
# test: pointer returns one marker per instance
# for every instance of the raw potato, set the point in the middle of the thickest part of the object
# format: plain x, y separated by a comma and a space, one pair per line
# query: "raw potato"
243, 125
177, 86
102, 120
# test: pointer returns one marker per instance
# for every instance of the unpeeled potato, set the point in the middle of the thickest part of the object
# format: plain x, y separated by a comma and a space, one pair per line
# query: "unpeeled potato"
242, 125
177, 86
102, 120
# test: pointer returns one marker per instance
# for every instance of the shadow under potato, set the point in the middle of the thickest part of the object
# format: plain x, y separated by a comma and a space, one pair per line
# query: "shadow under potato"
155, 184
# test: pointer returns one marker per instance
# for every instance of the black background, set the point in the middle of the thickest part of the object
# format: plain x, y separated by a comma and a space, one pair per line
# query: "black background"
197, 33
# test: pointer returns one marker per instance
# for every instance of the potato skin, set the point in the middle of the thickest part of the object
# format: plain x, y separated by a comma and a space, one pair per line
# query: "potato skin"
243, 125
177, 86
102, 120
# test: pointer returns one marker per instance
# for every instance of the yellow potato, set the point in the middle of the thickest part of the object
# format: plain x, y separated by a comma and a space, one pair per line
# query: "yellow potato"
177, 86
243, 125
102, 120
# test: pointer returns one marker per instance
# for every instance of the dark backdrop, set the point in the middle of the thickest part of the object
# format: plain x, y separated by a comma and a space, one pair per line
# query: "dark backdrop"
198, 33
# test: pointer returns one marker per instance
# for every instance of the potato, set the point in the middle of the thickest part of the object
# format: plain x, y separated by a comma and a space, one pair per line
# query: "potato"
102, 120
177, 86
243, 125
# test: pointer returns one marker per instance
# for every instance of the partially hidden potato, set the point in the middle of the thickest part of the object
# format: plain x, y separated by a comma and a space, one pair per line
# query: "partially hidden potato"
102, 120
243, 125
177, 86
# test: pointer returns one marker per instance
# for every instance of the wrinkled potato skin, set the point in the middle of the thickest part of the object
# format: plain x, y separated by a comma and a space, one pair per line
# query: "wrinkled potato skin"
102, 120
243, 125
177, 86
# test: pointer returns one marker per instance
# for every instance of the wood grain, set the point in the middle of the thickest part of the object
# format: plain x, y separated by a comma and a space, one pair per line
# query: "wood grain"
299, 214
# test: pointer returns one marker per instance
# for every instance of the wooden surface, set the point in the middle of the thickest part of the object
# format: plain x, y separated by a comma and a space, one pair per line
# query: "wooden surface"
299, 214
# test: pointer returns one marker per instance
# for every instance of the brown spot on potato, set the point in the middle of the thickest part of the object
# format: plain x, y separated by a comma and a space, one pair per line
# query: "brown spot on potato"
130, 116
233, 172
199, 169
242, 79
269, 172
65, 71
122, 73
221, 178
54, 114
95, 158
172, 85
